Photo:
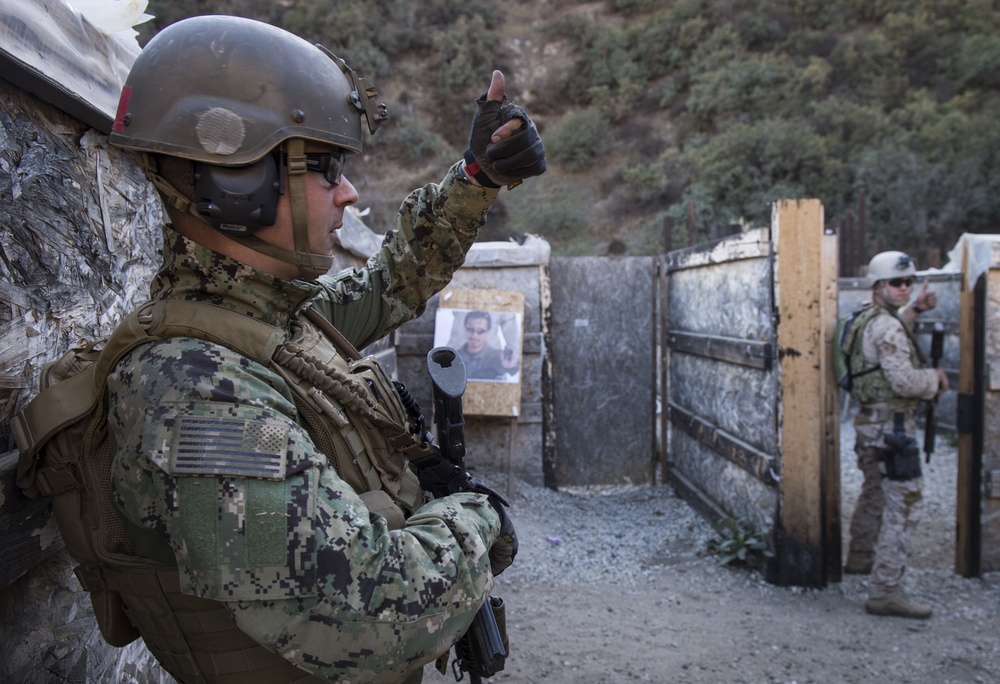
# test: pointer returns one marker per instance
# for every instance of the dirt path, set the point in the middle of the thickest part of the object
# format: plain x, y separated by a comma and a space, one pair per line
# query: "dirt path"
657, 608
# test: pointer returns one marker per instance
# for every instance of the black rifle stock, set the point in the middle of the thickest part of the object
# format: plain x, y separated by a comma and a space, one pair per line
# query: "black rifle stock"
480, 651
930, 422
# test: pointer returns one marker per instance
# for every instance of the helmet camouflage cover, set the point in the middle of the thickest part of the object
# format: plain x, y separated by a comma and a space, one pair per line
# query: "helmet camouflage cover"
227, 90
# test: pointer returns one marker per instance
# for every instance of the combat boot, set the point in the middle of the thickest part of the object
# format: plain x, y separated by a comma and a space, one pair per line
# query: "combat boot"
859, 564
897, 605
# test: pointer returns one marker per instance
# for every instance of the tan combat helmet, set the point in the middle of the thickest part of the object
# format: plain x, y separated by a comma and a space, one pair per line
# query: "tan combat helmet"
888, 265
227, 92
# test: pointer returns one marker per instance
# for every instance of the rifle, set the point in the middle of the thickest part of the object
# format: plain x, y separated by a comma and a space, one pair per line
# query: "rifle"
481, 651
930, 421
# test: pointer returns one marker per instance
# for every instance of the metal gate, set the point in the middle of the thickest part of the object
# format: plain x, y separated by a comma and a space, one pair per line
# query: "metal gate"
978, 514
750, 418
600, 371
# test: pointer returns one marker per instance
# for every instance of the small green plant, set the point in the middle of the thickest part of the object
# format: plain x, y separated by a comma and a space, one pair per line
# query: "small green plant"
738, 544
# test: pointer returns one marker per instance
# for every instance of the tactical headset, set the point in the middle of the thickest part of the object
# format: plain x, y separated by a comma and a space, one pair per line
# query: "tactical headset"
239, 200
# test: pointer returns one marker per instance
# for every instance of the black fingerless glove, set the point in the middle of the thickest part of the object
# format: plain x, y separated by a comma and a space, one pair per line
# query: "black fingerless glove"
504, 549
509, 161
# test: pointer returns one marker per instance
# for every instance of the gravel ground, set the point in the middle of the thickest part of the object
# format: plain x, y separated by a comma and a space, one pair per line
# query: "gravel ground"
615, 584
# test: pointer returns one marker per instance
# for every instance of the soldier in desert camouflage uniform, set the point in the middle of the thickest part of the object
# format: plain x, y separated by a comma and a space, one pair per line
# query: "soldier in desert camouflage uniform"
889, 381
291, 548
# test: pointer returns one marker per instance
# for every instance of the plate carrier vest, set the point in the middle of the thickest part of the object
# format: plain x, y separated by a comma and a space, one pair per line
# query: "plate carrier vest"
869, 384
351, 409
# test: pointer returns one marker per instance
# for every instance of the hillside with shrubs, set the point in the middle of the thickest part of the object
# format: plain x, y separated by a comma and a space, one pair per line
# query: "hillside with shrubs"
700, 112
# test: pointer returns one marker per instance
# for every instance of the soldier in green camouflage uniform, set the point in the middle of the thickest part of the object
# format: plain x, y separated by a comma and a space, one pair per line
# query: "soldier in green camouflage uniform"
889, 381
217, 472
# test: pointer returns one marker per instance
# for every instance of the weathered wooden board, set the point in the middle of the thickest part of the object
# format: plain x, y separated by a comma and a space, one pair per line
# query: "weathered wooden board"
752, 353
728, 298
80, 232
761, 465
737, 399
720, 400
752, 244
732, 489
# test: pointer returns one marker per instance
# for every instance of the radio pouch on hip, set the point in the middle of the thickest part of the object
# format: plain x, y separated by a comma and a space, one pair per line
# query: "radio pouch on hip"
901, 455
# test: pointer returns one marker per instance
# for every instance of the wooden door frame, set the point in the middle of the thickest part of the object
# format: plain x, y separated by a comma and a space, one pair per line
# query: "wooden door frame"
969, 420
805, 291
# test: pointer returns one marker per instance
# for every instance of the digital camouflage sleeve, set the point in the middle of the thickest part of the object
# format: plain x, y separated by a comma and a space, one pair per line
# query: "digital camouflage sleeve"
436, 228
212, 458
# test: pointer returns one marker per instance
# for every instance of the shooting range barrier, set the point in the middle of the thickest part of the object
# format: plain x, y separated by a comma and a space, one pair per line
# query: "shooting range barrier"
731, 339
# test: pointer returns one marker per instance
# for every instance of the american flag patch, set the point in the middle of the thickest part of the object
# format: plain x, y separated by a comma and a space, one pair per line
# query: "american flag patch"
220, 446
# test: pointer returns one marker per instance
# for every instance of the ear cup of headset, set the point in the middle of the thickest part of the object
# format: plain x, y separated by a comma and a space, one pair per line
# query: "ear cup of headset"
238, 200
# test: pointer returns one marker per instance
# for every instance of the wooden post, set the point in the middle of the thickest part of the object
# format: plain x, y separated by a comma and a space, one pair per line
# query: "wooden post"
830, 391
970, 423
802, 271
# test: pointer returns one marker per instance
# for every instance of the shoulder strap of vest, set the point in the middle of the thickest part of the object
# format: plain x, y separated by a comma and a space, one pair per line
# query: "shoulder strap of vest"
66, 402
857, 326
250, 337
52, 410
326, 326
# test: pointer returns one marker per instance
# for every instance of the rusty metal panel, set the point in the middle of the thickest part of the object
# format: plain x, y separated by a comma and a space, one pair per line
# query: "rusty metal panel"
603, 373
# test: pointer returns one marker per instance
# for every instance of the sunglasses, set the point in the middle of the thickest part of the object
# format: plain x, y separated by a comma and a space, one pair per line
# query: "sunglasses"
330, 164
899, 282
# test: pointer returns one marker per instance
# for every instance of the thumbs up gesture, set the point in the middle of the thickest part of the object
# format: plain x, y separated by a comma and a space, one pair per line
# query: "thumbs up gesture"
926, 299
504, 147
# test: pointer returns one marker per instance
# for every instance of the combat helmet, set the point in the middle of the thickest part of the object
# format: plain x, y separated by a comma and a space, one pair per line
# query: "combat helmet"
887, 265
225, 91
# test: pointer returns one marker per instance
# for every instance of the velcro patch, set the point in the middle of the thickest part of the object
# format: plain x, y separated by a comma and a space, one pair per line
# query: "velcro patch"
204, 445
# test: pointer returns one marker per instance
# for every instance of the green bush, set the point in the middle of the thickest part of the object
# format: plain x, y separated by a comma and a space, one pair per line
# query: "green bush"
578, 140
408, 143
645, 181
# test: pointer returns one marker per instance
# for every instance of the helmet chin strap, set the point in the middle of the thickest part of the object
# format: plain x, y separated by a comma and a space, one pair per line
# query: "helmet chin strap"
310, 266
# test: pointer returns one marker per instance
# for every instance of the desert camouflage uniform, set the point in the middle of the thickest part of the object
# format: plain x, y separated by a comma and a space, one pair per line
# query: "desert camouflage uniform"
286, 544
887, 510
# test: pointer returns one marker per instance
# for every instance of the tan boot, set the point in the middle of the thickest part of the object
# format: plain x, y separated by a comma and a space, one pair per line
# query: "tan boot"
897, 605
858, 564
